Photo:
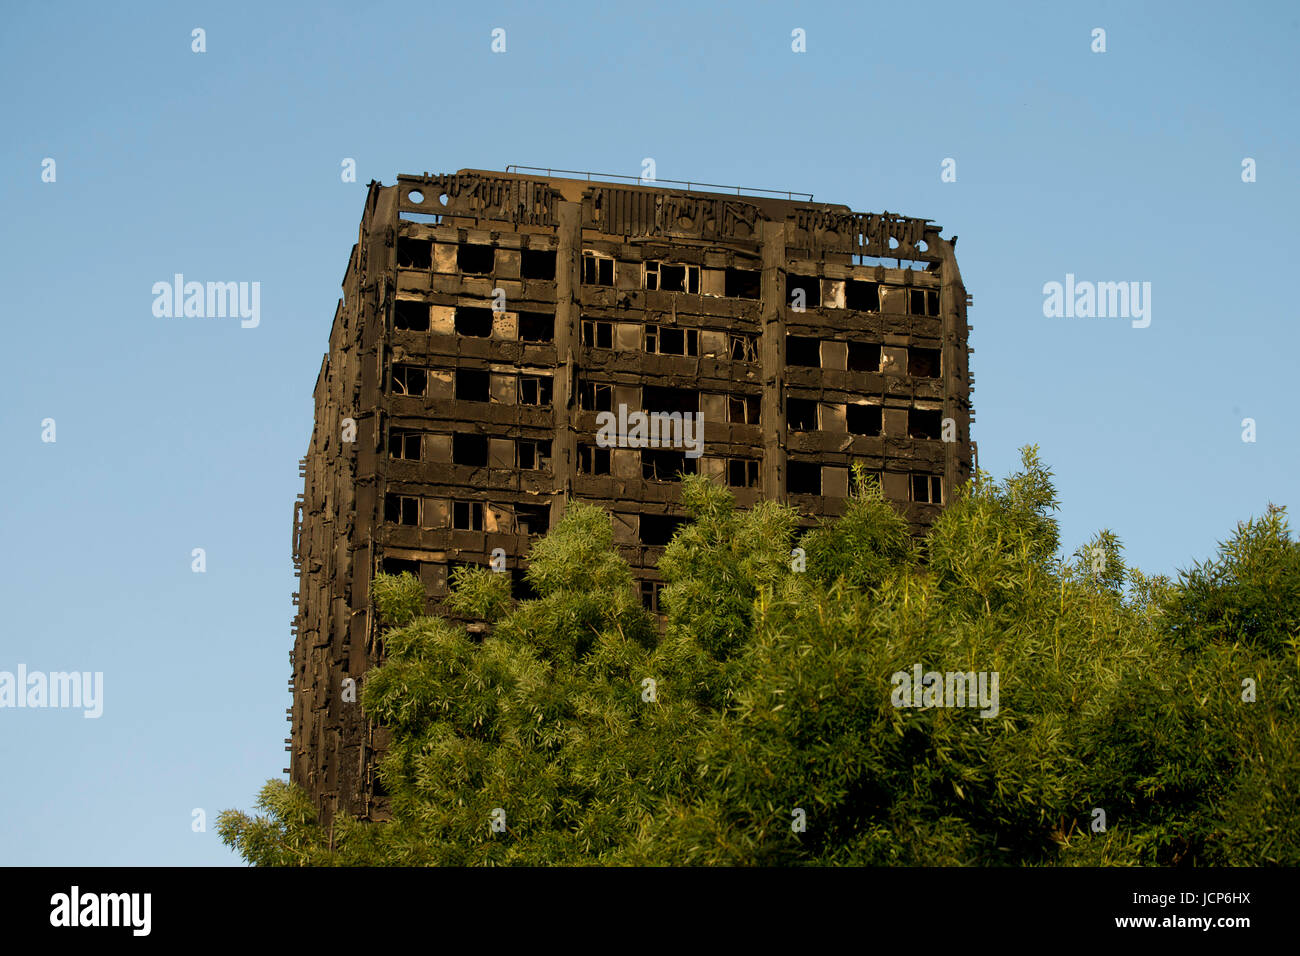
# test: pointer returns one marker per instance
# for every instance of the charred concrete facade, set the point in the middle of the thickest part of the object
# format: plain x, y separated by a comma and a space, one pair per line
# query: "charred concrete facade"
489, 318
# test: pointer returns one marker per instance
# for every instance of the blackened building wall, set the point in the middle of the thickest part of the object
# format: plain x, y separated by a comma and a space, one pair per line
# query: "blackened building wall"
488, 318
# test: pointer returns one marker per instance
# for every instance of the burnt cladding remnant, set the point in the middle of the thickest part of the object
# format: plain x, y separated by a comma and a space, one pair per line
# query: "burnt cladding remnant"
488, 318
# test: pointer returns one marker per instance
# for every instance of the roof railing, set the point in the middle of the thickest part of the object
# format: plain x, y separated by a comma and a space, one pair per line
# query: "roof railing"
690, 185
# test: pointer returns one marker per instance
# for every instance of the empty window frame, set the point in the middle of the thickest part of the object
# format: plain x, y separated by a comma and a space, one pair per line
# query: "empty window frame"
595, 397
414, 253
923, 363
923, 302
742, 473
533, 454
863, 419
473, 385
536, 327
744, 409
743, 347
597, 269
537, 264
660, 465
868, 477
803, 351
402, 509
669, 340
532, 519
658, 530
593, 460
650, 591
923, 423
801, 414
411, 316
597, 335
743, 283
803, 478
809, 286
400, 566
927, 489
475, 259
861, 295
669, 277
474, 321
535, 389
469, 450
662, 398
409, 380
864, 357
467, 515
404, 443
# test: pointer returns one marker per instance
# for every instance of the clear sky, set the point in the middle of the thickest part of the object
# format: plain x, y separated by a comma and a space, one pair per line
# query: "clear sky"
176, 434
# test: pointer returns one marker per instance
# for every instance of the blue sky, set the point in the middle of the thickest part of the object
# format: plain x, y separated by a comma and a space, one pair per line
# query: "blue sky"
175, 434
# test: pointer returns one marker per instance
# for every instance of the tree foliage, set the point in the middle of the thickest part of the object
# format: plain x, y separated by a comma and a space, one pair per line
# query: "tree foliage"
761, 725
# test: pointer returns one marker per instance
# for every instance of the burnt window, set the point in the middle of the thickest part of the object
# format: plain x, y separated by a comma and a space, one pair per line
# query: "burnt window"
923, 363
803, 478
597, 335
803, 351
536, 327
473, 385
801, 414
863, 419
658, 530
744, 409
473, 320
532, 519
862, 296
520, 589
923, 302
467, 515
533, 454
868, 477
595, 397
400, 566
593, 460
411, 316
811, 287
404, 443
401, 509
469, 450
744, 348
666, 277
535, 389
475, 259
409, 380
743, 283
742, 473
650, 591
597, 269
414, 254
537, 264
661, 398
660, 465
669, 340
922, 423
864, 357
927, 489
